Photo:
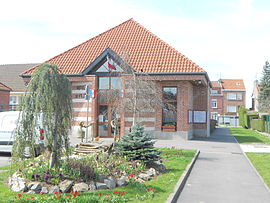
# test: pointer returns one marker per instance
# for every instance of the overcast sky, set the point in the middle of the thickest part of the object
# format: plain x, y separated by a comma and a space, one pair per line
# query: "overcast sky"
227, 38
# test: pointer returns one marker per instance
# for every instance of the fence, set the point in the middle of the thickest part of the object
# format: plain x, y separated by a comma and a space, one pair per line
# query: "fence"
267, 123
4, 107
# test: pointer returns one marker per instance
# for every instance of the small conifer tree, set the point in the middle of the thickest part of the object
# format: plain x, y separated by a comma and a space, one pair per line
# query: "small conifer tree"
264, 94
137, 145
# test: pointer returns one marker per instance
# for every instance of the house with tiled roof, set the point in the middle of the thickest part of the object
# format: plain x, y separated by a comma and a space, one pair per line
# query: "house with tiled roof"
9, 75
172, 72
227, 95
4, 96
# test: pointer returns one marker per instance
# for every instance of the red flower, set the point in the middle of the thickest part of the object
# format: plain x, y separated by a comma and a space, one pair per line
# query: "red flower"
59, 196
74, 195
32, 197
67, 195
78, 195
132, 174
123, 192
19, 195
115, 192
100, 194
42, 193
151, 189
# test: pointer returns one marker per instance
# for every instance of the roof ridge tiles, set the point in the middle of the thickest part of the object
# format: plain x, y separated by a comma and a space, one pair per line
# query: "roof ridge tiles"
140, 41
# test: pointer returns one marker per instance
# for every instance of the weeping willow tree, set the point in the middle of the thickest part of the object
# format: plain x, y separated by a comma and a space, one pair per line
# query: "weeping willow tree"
47, 103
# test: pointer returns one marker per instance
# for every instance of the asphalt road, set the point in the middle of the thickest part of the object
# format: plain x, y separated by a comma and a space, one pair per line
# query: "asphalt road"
4, 159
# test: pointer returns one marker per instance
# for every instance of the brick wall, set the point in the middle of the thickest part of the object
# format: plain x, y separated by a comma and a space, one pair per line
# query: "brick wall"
236, 103
4, 97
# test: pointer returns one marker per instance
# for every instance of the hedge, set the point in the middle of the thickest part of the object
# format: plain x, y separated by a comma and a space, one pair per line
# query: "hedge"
248, 118
258, 124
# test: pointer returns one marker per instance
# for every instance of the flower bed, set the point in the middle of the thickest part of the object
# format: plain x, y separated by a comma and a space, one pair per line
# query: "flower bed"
156, 190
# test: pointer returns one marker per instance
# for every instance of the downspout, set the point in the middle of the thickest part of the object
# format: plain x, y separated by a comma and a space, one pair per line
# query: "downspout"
208, 110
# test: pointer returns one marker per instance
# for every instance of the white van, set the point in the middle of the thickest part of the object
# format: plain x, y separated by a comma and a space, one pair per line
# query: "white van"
8, 123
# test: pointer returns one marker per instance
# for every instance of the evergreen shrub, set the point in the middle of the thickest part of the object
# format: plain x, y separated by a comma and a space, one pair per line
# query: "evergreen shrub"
137, 145
258, 124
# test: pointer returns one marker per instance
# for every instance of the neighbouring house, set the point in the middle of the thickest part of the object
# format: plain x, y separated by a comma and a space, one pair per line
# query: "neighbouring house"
227, 95
173, 73
4, 96
9, 75
254, 96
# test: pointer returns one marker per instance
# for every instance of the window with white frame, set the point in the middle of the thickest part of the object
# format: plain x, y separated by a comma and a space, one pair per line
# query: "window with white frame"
214, 103
234, 96
214, 115
214, 91
231, 109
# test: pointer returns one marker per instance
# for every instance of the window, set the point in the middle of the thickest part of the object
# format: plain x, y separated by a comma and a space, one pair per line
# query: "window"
214, 91
214, 115
13, 100
109, 89
234, 96
109, 83
169, 111
214, 103
231, 109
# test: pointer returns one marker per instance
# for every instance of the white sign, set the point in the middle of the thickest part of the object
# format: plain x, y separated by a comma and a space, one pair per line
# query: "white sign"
199, 116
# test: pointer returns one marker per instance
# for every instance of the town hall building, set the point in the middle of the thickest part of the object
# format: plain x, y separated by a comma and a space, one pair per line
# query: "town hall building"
98, 64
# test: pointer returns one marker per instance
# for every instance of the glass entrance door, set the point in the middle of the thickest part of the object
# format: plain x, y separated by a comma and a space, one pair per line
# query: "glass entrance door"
105, 117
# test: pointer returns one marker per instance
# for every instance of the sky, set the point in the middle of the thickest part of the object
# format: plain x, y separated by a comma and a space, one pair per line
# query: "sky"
227, 38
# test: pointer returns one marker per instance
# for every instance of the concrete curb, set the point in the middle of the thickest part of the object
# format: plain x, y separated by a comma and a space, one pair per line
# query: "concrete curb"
253, 167
182, 181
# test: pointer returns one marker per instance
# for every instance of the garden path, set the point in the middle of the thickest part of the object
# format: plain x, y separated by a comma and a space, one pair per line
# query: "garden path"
221, 173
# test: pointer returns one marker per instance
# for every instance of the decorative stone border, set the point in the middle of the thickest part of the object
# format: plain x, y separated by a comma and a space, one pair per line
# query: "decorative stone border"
182, 181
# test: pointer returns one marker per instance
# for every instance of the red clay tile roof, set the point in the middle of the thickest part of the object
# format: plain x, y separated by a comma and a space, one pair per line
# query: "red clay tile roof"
146, 51
233, 84
215, 84
4, 87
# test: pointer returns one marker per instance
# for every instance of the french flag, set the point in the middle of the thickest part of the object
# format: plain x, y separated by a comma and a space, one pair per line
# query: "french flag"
92, 93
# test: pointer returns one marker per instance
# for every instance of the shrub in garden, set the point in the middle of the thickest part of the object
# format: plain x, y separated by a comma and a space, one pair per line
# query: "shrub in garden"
137, 145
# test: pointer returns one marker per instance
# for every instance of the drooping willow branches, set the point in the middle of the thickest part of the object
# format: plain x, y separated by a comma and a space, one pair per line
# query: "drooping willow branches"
46, 104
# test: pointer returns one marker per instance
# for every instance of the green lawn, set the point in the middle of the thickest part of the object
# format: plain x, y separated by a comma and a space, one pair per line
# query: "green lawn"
261, 161
175, 160
248, 136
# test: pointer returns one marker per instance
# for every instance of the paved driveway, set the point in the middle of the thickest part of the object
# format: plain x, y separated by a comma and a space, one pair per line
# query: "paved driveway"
4, 159
221, 173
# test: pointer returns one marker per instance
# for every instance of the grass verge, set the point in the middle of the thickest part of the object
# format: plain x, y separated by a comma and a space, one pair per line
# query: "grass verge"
261, 162
157, 190
248, 136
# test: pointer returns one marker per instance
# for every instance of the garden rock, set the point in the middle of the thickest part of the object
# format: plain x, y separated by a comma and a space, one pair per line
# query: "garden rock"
158, 166
54, 189
81, 187
92, 186
36, 187
151, 172
65, 186
44, 190
122, 181
101, 178
140, 180
17, 183
110, 183
144, 176
101, 186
